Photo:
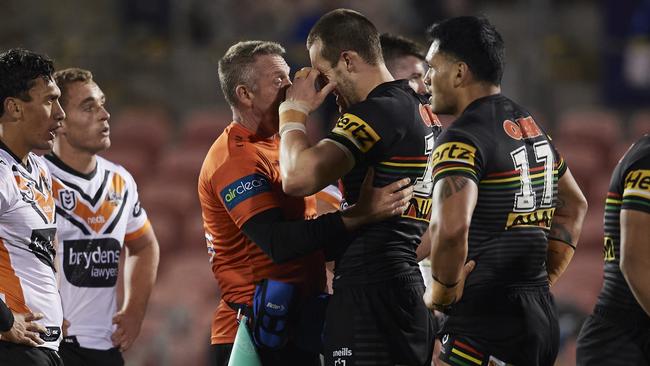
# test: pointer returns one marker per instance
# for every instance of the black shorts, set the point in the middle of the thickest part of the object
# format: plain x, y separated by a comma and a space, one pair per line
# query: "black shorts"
12, 354
288, 355
612, 342
518, 327
73, 354
379, 324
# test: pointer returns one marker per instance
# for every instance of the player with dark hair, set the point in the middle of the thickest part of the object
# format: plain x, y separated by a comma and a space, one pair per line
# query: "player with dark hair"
505, 208
376, 315
404, 59
618, 330
254, 231
98, 216
30, 114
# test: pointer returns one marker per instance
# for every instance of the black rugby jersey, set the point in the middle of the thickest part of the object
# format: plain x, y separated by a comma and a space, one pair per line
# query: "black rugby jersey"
394, 131
498, 145
629, 189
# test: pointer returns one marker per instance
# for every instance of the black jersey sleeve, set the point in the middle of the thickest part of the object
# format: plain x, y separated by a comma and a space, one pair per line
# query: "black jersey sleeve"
560, 163
636, 178
367, 129
460, 151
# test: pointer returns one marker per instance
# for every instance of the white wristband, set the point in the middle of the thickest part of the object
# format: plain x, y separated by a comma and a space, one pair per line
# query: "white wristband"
293, 105
292, 126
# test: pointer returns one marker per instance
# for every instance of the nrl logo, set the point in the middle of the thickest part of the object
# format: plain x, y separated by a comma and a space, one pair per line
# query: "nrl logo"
67, 199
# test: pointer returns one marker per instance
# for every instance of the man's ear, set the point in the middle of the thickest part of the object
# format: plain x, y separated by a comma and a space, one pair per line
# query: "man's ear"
350, 59
13, 107
462, 75
244, 95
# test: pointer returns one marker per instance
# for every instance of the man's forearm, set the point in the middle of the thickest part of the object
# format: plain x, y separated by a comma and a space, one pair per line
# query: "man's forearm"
566, 226
140, 269
448, 257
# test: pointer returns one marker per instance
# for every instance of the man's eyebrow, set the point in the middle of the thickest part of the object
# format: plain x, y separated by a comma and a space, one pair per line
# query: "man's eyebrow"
88, 99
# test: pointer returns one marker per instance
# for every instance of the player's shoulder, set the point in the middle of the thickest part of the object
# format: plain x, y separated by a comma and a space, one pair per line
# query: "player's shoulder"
638, 152
104, 164
387, 100
232, 150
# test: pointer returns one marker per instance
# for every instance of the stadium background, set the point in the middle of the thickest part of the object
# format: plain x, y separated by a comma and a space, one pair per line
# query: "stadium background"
581, 67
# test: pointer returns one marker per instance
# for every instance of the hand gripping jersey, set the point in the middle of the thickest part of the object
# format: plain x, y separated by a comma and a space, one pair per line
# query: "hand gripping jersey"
96, 214
629, 189
393, 131
498, 145
27, 234
240, 178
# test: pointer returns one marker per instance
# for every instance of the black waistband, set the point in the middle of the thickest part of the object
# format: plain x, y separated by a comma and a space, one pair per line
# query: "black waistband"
244, 309
625, 317
409, 275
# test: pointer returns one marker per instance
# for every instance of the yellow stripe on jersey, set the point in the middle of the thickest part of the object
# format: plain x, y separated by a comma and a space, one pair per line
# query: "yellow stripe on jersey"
454, 168
466, 356
357, 131
636, 193
515, 179
138, 233
450, 152
638, 180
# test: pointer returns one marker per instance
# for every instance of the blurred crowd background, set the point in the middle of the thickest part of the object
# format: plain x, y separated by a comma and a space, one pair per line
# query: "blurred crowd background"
581, 67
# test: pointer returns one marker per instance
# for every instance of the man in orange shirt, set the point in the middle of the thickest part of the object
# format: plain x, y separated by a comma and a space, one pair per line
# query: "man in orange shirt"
253, 230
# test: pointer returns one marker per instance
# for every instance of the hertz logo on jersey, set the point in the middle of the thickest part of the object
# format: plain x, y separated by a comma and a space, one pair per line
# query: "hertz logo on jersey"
540, 218
244, 188
638, 180
454, 152
357, 131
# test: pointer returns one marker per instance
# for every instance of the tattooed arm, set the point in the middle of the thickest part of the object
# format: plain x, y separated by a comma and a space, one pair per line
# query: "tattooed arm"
565, 229
454, 199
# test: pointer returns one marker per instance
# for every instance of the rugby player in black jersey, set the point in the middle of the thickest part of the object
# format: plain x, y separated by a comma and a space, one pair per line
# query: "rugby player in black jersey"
376, 315
618, 331
506, 213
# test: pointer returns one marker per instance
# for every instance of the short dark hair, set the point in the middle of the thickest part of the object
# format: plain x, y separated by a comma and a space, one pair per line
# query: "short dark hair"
346, 30
474, 41
235, 66
394, 47
19, 69
66, 77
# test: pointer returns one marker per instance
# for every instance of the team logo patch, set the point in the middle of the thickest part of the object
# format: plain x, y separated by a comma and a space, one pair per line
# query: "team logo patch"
428, 117
67, 199
608, 250
450, 152
540, 218
525, 128
91, 263
51, 334
356, 131
244, 188
493, 361
41, 244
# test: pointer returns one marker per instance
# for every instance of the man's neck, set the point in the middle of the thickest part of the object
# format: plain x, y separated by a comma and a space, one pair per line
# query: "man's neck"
81, 161
258, 127
474, 92
371, 77
15, 145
